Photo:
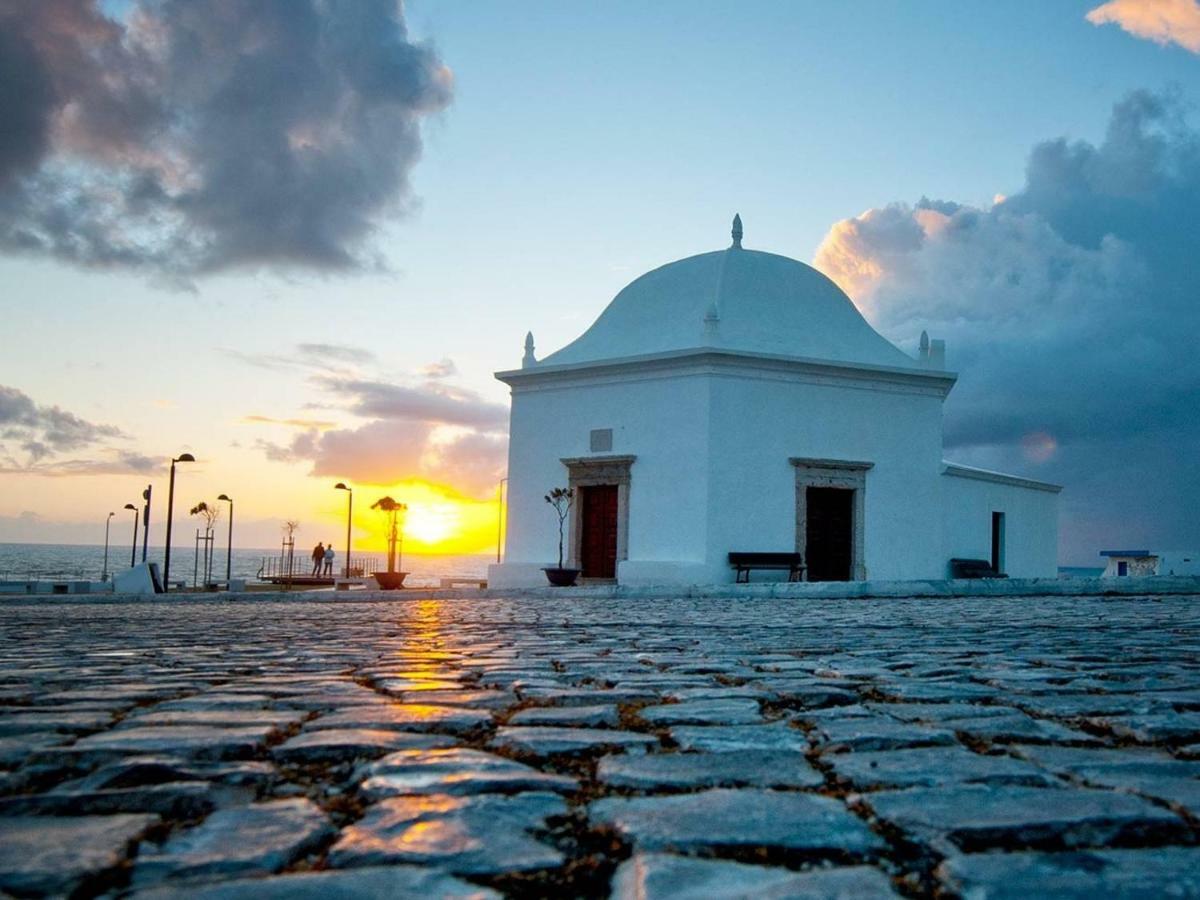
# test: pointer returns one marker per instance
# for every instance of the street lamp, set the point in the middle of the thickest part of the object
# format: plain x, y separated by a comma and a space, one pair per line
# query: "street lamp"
342, 486
107, 522
133, 549
182, 457
500, 518
229, 546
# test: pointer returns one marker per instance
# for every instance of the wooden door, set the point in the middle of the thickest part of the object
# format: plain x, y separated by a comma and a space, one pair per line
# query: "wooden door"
598, 542
829, 533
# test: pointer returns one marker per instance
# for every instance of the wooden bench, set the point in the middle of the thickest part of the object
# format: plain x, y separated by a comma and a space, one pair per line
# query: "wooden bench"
456, 580
792, 563
973, 568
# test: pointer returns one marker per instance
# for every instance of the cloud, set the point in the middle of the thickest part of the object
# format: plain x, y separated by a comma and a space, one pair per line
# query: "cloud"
335, 353
307, 424
111, 462
1161, 21
443, 368
185, 137
1070, 309
41, 432
429, 402
424, 429
385, 452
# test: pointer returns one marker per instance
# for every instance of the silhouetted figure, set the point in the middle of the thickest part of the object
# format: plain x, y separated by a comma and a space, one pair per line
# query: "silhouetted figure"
329, 554
318, 558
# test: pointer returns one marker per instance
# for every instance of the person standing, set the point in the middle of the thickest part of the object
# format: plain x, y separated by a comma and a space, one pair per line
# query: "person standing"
318, 558
329, 554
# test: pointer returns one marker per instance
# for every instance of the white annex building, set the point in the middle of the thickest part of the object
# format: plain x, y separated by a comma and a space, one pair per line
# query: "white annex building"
737, 401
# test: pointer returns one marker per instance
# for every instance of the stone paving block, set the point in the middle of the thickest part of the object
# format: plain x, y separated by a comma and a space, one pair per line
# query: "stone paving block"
881, 734
339, 744
661, 876
42, 855
981, 817
731, 738
214, 718
1077, 875
464, 835
405, 717
15, 750
548, 741
584, 716
261, 838
937, 713
181, 800
218, 701
737, 818
19, 723
734, 711
721, 692
1155, 728
480, 699
194, 741
140, 771
1007, 729
1152, 773
456, 771
415, 685
748, 768
566, 696
378, 883
929, 766
812, 695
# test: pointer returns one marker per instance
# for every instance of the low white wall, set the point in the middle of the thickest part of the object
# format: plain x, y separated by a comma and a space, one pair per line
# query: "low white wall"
1030, 524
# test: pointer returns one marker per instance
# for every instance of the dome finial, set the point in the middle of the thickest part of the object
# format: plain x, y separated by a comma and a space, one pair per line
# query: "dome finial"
737, 231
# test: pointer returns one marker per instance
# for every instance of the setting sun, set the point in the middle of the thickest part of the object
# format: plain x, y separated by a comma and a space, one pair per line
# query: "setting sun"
438, 520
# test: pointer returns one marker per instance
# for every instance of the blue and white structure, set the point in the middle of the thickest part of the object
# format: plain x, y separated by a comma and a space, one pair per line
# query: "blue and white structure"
738, 401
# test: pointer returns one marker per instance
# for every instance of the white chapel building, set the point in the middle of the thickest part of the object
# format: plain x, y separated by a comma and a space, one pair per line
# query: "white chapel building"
737, 401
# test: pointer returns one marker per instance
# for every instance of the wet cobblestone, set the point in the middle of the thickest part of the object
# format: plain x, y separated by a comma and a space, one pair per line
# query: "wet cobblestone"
304, 746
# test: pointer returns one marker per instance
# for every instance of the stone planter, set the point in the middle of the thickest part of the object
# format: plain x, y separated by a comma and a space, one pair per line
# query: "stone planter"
390, 581
561, 577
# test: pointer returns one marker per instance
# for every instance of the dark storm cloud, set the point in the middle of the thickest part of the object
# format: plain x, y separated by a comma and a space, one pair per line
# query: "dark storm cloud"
1071, 310
196, 135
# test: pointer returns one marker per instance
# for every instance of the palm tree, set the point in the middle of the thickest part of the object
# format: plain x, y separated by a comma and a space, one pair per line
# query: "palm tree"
393, 512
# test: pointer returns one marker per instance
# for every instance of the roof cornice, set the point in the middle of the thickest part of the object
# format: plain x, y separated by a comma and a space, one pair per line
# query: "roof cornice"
957, 471
716, 360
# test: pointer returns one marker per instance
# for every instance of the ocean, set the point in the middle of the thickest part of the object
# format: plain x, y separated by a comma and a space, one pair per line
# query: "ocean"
20, 562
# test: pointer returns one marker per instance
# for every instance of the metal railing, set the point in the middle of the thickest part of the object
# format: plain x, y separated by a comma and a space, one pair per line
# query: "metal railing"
276, 567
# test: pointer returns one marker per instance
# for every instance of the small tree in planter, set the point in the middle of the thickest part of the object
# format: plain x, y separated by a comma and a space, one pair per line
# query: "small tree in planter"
210, 514
393, 513
561, 499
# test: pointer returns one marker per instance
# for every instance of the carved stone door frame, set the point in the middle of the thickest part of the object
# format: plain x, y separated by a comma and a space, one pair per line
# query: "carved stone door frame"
584, 471
832, 473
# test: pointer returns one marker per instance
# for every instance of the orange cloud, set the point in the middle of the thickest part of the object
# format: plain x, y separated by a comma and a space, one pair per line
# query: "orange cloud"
1161, 21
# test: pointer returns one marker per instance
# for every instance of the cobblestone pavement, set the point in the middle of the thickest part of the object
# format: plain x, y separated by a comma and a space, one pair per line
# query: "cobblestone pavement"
657, 749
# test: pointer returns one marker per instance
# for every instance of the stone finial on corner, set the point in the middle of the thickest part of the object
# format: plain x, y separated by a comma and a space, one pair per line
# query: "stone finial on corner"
932, 352
924, 346
528, 359
737, 231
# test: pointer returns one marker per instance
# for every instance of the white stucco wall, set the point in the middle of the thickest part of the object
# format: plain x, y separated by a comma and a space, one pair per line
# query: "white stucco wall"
759, 423
1030, 524
659, 419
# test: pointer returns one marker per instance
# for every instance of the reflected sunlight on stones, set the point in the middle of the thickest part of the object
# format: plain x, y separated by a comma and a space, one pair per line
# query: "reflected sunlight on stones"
464, 835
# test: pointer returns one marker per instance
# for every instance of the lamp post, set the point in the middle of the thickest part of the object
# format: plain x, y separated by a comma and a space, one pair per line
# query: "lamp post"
342, 486
182, 457
500, 518
229, 545
133, 549
146, 520
107, 522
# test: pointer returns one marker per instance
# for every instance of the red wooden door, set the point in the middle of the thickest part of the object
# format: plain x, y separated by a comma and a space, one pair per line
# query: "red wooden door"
598, 543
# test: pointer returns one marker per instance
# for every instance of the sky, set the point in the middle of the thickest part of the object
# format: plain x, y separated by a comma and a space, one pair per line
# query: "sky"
296, 239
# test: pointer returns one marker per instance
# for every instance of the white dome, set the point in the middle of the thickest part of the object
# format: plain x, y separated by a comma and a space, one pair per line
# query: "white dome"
735, 300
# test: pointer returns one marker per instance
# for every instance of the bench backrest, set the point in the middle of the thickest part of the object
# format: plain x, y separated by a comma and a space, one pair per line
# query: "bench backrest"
766, 559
